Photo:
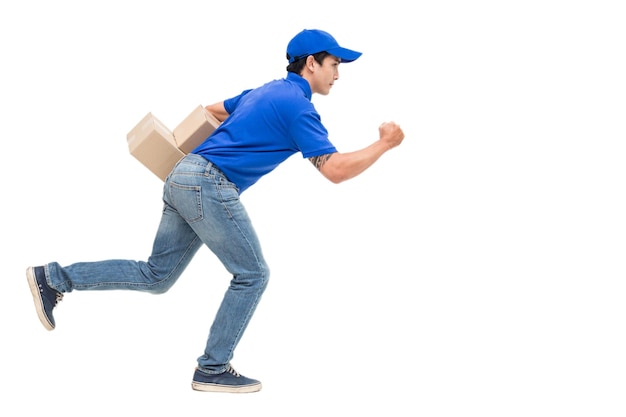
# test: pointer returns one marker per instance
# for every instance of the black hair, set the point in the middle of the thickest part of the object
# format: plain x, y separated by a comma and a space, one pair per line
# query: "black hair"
298, 65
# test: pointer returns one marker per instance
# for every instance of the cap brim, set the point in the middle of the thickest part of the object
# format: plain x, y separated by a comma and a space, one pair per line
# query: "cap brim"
346, 55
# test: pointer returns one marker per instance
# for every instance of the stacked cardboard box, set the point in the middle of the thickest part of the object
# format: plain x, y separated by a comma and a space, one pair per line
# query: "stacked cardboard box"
153, 144
192, 131
159, 149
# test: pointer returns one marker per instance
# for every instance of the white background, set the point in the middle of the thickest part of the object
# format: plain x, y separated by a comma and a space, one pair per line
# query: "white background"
478, 269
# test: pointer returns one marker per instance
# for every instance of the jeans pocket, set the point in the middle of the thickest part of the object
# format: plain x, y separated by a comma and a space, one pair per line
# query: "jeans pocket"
187, 200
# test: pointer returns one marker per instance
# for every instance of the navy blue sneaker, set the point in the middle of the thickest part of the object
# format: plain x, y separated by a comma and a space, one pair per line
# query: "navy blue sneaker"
45, 297
228, 381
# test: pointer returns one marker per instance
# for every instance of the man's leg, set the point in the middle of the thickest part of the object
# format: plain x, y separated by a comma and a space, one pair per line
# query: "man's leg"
221, 221
174, 246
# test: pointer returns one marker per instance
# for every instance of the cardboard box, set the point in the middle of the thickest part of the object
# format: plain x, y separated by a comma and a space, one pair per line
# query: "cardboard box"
153, 144
192, 131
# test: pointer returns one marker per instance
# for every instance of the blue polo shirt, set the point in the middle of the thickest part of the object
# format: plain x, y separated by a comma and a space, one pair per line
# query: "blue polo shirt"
265, 126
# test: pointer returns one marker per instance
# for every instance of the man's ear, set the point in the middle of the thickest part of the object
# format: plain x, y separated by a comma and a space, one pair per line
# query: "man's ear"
310, 63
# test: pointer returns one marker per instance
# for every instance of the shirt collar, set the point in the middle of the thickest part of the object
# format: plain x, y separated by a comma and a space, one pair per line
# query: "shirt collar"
304, 84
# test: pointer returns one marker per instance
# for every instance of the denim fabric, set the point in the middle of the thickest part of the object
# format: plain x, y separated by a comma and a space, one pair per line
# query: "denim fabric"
201, 206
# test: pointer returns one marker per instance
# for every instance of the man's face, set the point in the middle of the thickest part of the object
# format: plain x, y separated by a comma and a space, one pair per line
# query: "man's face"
325, 75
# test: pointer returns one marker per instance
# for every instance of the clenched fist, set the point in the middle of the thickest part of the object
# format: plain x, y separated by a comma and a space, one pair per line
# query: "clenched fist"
391, 134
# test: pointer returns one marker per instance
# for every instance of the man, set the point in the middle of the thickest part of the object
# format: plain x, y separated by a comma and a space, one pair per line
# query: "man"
260, 129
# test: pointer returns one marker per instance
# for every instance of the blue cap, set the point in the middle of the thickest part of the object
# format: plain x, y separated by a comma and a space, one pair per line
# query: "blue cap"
311, 41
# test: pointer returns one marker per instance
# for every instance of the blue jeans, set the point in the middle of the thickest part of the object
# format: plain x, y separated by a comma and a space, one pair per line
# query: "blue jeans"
201, 206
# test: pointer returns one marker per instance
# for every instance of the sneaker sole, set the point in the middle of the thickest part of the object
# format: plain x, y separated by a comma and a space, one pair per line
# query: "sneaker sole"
34, 290
198, 386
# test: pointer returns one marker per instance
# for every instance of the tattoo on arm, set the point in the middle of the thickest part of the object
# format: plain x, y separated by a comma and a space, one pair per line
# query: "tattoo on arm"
320, 160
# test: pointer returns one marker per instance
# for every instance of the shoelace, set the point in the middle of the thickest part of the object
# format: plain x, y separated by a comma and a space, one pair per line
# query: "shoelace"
59, 298
231, 370
59, 295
